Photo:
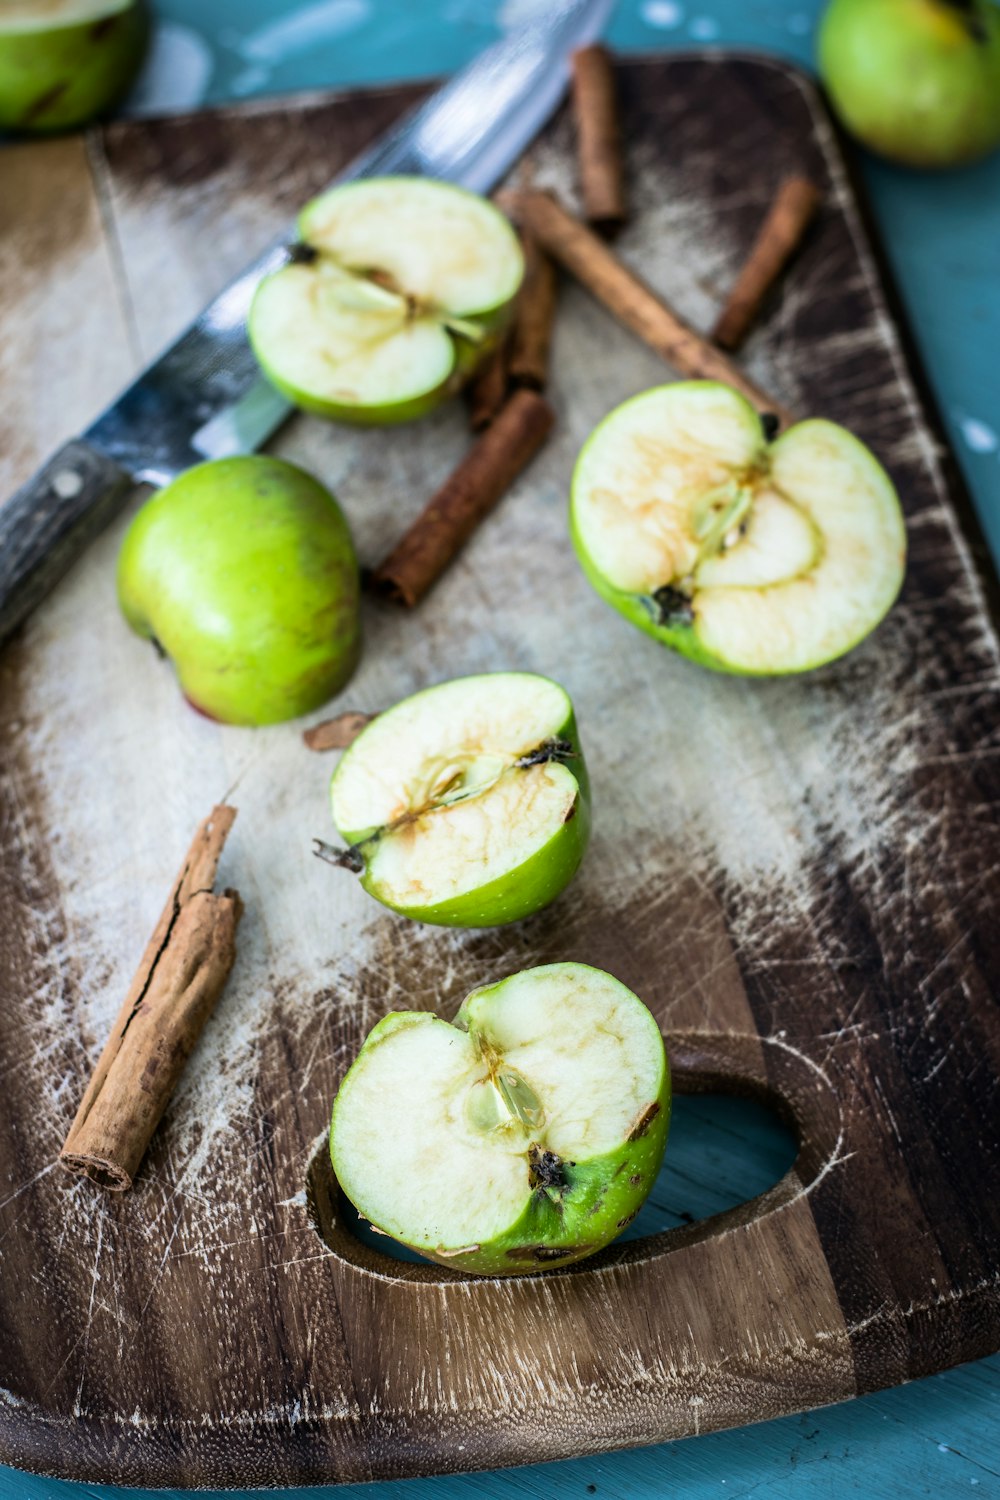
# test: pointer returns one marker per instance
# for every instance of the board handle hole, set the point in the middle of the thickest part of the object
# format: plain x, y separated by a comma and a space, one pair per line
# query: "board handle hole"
723, 1151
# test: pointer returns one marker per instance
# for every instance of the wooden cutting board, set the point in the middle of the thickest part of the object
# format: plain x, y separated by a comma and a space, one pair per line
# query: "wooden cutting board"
800, 877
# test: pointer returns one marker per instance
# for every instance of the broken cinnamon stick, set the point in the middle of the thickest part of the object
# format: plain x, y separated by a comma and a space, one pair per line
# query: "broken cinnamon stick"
487, 390
469, 494
630, 300
182, 973
522, 359
602, 174
787, 220
528, 355
338, 733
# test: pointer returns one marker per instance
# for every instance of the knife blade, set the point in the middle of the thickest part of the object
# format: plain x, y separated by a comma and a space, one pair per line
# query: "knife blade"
204, 397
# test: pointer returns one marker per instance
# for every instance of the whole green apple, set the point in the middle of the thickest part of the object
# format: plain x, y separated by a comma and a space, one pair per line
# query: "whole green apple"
526, 1135
65, 62
398, 288
745, 555
468, 804
242, 571
917, 80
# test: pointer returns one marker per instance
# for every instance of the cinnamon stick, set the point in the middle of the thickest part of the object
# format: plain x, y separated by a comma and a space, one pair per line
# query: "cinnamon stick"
633, 303
338, 733
528, 356
787, 220
469, 494
181, 975
602, 174
522, 359
487, 390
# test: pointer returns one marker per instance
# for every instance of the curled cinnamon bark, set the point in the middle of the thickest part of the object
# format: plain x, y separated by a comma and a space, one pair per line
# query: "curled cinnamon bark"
182, 973
788, 218
337, 733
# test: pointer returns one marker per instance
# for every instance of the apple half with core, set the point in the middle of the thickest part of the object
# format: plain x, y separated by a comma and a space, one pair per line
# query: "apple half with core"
242, 572
745, 555
917, 80
468, 804
397, 289
64, 62
526, 1135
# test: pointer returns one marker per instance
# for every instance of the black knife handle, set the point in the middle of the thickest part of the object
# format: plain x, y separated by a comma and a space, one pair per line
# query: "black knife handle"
50, 520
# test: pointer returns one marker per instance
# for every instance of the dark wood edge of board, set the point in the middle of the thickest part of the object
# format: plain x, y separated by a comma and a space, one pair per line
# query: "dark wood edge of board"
959, 494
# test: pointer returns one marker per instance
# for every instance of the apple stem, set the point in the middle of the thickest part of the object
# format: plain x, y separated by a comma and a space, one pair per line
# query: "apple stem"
548, 750
301, 254
345, 859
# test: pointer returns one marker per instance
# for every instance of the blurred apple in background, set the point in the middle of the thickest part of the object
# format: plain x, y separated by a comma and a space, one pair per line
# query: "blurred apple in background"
66, 62
916, 80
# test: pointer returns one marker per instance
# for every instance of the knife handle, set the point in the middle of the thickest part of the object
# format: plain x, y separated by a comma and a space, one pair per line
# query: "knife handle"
50, 520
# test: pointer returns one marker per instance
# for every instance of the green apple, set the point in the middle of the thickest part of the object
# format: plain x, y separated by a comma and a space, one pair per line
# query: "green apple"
745, 555
917, 80
524, 1136
399, 287
468, 804
64, 62
242, 571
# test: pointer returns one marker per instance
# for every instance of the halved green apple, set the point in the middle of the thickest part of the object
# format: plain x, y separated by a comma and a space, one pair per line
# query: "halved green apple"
64, 62
466, 805
527, 1135
399, 287
747, 556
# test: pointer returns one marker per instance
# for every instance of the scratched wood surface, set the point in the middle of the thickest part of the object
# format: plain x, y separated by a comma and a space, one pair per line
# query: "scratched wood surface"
799, 877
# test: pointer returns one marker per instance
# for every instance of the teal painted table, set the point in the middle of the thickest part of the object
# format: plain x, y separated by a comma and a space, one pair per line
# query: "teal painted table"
940, 1437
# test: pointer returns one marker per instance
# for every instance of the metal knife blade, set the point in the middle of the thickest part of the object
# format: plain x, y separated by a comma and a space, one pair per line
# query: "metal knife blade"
204, 396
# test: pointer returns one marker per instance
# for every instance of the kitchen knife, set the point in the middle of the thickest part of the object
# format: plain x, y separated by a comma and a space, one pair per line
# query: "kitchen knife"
205, 397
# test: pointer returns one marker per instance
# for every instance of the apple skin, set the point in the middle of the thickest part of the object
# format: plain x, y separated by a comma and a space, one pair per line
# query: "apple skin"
524, 890
916, 80
62, 77
243, 572
605, 1193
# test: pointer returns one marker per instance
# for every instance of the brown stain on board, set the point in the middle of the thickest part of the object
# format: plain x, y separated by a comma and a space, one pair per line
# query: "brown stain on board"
801, 895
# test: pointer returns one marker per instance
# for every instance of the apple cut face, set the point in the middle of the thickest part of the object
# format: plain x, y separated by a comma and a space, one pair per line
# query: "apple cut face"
468, 804
526, 1135
398, 288
746, 556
